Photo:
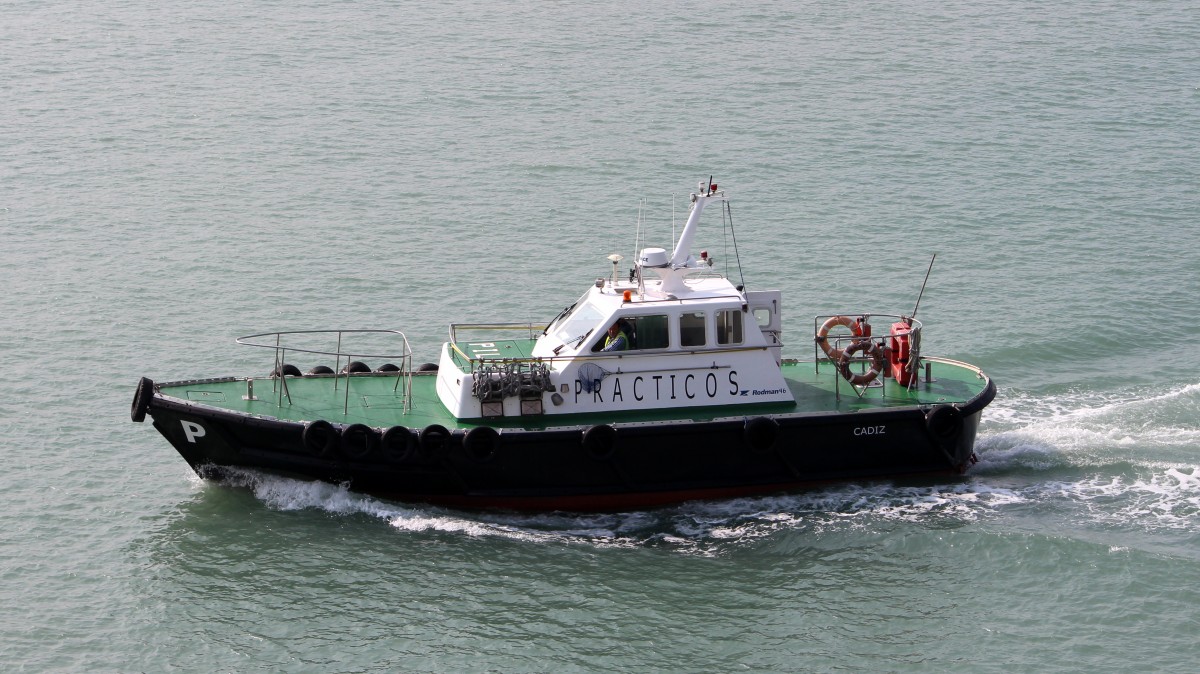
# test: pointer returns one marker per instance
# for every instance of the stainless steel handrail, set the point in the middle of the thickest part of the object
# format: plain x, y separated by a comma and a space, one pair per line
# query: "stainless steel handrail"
403, 375
530, 327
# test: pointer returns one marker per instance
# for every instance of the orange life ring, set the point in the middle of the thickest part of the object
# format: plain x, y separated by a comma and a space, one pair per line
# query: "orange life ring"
871, 349
855, 326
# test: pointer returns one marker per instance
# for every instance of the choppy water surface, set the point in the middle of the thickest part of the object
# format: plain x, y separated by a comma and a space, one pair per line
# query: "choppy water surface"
174, 175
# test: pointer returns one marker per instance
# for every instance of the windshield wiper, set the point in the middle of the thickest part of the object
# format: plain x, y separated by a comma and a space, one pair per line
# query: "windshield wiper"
577, 341
562, 313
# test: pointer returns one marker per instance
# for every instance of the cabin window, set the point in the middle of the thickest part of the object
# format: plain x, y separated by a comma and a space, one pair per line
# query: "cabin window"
762, 316
729, 326
643, 332
651, 332
691, 329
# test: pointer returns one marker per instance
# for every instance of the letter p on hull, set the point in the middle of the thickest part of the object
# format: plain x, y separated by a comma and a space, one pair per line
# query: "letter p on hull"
192, 430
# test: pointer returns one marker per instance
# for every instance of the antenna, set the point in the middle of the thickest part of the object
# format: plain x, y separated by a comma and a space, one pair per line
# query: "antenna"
922, 293
637, 237
615, 258
741, 274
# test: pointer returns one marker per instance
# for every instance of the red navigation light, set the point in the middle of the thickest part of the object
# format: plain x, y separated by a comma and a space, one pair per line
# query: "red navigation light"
712, 188
704, 255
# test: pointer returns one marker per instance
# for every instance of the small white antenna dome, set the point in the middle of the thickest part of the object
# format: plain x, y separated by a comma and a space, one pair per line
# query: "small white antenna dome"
653, 257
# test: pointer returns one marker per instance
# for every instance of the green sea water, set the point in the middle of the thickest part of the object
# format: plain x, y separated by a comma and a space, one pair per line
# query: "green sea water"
173, 175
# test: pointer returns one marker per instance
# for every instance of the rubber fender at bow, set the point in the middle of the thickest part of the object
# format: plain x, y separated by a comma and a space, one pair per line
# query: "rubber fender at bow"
141, 399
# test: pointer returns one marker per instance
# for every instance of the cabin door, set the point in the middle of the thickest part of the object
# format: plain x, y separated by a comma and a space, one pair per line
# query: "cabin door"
764, 307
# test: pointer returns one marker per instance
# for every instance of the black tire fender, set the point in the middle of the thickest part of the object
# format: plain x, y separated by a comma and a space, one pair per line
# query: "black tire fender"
944, 423
320, 437
427, 367
388, 367
761, 433
434, 439
141, 399
481, 443
289, 370
600, 442
321, 369
356, 367
359, 441
397, 443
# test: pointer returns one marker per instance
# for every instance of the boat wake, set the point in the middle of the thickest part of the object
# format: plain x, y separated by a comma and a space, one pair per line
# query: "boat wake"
1125, 460
698, 527
1107, 465
1166, 502
1077, 418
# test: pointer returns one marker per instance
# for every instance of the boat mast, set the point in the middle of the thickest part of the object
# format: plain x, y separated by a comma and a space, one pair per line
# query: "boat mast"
699, 200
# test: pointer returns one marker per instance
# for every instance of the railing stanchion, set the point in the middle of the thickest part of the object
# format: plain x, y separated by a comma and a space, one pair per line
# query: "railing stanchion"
346, 406
283, 388
278, 366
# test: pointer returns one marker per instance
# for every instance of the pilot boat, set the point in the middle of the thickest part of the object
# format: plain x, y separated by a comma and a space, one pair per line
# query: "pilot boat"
659, 387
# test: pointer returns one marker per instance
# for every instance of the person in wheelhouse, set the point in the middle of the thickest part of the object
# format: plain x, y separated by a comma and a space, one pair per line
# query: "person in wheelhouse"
617, 340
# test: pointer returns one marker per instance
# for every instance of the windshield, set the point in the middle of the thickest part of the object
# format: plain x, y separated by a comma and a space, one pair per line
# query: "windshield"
557, 320
579, 322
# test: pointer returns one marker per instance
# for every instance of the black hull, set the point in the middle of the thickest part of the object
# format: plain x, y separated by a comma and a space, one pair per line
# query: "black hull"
577, 469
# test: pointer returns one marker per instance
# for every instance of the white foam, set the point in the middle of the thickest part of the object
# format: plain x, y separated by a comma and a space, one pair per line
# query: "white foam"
1164, 500
1144, 427
1014, 409
1002, 452
286, 494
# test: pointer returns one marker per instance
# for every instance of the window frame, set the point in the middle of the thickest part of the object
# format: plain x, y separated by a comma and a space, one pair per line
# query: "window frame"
705, 319
740, 329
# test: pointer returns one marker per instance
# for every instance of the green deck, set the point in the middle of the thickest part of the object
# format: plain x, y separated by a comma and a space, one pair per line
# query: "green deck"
373, 401
501, 349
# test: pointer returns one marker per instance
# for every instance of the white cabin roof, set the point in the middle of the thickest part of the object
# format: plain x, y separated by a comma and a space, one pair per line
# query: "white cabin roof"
602, 305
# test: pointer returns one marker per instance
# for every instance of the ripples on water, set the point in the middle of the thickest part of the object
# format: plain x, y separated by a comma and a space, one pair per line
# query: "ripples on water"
175, 175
